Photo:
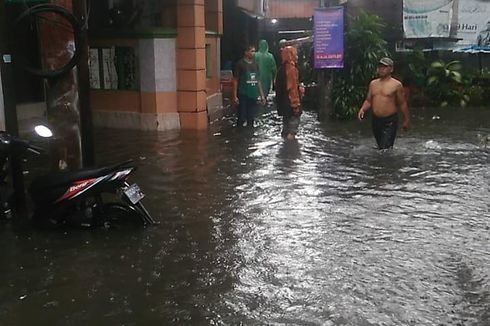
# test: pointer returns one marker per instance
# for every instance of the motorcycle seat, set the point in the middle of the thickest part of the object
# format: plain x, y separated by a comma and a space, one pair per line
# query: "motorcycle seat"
63, 178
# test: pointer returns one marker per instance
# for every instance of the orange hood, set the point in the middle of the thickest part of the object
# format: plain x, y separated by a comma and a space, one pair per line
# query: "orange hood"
289, 54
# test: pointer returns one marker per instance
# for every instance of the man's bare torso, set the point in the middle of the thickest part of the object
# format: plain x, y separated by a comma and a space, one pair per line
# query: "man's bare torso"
384, 96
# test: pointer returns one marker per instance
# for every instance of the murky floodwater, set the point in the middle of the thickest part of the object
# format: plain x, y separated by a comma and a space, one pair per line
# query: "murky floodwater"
258, 231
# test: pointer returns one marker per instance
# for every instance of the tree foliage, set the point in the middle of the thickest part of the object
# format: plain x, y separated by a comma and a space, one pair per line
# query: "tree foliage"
445, 84
364, 46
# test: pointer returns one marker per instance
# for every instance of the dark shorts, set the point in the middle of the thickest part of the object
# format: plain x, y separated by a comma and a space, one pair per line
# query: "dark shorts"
247, 110
384, 130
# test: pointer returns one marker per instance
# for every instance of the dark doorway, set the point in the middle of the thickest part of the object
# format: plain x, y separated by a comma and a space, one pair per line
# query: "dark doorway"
28, 88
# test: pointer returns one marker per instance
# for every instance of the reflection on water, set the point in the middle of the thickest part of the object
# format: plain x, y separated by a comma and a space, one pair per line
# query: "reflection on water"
324, 230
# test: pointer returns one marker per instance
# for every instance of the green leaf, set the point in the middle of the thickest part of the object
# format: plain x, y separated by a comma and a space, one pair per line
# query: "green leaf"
456, 76
454, 65
437, 64
432, 80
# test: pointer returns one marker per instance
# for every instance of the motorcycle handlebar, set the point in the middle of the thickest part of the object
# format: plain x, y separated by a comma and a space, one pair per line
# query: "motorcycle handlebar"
9, 143
22, 144
35, 149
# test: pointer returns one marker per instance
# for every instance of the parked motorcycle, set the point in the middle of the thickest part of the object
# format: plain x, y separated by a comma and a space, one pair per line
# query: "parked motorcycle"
86, 197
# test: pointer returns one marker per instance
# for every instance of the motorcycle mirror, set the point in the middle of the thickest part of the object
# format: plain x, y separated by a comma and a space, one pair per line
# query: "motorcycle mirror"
43, 131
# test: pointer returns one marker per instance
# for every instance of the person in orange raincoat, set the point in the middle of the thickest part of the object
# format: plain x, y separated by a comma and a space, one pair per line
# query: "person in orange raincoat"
288, 93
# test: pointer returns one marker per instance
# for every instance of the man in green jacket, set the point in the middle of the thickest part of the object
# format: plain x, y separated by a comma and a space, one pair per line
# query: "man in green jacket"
247, 88
267, 66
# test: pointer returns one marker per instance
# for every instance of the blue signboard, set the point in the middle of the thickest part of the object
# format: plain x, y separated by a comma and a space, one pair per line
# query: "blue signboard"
329, 37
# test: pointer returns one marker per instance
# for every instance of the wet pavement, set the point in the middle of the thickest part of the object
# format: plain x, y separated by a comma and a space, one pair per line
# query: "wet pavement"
254, 230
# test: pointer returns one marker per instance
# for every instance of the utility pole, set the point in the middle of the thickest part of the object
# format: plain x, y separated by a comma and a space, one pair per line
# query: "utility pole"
322, 92
86, 127
10, 104
325, 84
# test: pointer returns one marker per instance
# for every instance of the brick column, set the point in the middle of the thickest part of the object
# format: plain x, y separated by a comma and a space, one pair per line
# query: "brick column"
191, 64
214, 16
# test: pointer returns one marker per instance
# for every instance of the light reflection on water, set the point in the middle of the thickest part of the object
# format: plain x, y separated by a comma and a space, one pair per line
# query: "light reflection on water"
321, 231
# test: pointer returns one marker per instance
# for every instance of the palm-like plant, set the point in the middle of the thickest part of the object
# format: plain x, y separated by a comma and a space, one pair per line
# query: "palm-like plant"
445, 83
364, 46
441, 72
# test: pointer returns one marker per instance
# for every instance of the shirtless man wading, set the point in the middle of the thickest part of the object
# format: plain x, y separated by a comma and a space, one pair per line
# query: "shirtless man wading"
385, 96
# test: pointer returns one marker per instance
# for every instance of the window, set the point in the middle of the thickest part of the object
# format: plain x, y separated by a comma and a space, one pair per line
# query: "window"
113, 68
209, 61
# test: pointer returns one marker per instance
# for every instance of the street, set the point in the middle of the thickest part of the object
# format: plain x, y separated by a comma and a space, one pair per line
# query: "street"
256, 230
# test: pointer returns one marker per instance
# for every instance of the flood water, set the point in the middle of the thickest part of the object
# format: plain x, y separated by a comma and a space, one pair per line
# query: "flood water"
258, 231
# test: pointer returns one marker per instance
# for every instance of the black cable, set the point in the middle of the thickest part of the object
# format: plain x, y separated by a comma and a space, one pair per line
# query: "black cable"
21, 60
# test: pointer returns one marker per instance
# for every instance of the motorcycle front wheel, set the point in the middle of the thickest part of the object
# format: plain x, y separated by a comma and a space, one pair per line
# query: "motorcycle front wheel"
110, 213
140, 211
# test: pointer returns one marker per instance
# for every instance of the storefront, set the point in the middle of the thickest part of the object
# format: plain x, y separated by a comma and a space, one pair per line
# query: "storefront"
155, 66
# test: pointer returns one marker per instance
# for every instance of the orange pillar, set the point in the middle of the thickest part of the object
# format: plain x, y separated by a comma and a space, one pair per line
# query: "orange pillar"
214, 16
191, 64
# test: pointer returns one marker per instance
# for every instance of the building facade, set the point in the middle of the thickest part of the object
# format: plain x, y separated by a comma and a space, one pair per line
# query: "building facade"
159, 71
154, 65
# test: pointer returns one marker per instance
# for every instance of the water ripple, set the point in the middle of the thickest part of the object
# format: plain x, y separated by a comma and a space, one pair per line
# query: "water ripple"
255, 230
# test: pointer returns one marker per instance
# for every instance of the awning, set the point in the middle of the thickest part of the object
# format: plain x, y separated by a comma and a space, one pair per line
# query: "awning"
473, 49
252, 14
253, 8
